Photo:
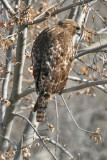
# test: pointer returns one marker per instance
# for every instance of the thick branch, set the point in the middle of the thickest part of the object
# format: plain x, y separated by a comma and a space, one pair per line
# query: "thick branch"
11, 143
17, 86
82, 86
91, 50
85, 80
20, 58
6, 79
25, 93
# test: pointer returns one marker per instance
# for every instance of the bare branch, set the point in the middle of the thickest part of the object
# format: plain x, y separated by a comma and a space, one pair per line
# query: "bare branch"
82, 86
57, 120
37, 133
17, 84
71, 115
98, 14
8, 7
11, 143
20, 58
85, 80
91, 50
6, 77
102, 31
25, 93
86, 64
60, 10
28, 131
43, 13
59, 146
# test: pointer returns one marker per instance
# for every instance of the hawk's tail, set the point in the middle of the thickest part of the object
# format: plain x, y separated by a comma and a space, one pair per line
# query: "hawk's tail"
40, 107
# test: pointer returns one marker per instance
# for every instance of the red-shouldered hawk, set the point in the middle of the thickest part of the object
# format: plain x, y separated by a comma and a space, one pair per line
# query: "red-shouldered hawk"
52, 54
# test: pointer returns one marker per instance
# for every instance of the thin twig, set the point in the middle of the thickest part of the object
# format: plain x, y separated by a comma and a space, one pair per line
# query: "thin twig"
71, 115
28, 135
92, 68
59, 146
57, 121
98, 14
21, 116
89, 9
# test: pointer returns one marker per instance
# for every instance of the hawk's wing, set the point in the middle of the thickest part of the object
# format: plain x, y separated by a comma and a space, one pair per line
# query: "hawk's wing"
51, 56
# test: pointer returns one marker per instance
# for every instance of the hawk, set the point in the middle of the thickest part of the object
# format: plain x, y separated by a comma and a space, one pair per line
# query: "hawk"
52, 56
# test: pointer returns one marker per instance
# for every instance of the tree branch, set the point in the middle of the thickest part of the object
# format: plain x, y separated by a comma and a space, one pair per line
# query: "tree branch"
92, 68
43, 13
25, 93
59, 11
71, 115
11, 143
85, 80
6, 79
37, 133
8, 7
17, 86
90, 50
82, 86
59, 146
28, 131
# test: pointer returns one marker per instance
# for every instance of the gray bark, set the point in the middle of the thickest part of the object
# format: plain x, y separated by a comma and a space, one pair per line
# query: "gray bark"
6, 80
28, 135
17, 86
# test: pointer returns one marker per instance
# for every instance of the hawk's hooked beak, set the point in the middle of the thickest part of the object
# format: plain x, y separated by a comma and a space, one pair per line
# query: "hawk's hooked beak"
78, 31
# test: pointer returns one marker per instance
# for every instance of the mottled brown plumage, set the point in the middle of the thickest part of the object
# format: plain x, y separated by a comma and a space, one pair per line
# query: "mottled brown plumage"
52, 54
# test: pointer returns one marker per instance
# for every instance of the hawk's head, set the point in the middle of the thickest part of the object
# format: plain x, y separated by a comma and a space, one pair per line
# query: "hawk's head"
70, 25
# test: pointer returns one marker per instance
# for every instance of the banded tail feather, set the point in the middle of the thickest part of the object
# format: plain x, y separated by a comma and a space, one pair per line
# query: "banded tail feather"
40, 107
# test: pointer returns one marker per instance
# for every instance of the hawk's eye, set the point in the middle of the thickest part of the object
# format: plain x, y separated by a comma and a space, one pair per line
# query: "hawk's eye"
60, 23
